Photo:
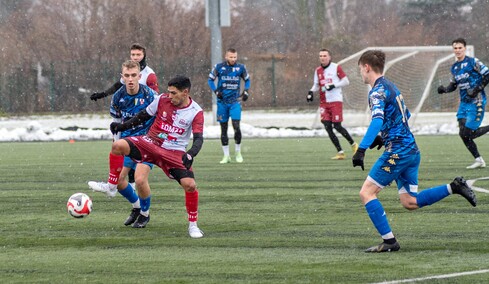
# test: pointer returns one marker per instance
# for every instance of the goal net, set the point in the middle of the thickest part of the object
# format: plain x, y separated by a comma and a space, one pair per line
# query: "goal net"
417, 71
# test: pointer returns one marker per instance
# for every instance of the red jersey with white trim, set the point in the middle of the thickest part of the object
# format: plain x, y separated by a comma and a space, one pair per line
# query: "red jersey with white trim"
333, 74
173, 126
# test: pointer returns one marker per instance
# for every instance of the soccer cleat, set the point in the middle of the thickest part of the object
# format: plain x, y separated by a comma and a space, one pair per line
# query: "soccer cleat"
384, 247
107, 188
239, 158
478, 163
226, 159
339, 156
133, 216
460, 186
195, 232
141, 221
354, 147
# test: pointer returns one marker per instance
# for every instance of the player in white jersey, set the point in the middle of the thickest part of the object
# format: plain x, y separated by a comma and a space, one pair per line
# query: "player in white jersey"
177, 116
329, 78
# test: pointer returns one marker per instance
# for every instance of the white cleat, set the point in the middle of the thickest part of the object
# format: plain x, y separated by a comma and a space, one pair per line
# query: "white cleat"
195, 232
109, 189
479, 163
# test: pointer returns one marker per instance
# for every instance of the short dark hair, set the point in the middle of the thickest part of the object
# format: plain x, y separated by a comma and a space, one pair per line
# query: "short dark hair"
180, 82
374, 58
325, 49
138, 47
459, 40
232, 50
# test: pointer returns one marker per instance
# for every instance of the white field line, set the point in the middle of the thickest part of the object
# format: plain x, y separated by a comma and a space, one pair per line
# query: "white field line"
442, 276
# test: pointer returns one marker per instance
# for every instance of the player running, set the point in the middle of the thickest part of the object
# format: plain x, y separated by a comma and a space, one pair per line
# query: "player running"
177, 116
229, 74
329, 79
401, 158
471, 76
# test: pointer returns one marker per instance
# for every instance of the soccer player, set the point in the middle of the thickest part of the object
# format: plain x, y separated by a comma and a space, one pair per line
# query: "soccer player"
401, 158
148, 78
471, 76
129, 100
177, 116
229, 74
329, 78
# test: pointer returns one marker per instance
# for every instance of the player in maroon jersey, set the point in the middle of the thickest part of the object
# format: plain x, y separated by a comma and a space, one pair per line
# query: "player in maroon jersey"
177, 117
329, 78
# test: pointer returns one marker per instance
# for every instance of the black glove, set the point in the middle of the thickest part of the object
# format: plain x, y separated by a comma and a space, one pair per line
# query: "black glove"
442, 90
114, 127
473, 92
245, 95
310, 96
96, 96
219, 94
187, 160
330, 87
357, 158
378, 142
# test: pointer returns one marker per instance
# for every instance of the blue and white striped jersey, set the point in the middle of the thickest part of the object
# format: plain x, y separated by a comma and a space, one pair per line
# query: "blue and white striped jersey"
229, 80
386, 102
468, 74
125, 106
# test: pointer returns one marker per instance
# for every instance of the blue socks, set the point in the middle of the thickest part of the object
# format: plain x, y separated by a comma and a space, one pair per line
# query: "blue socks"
129, 194
432, 195
145, 203
377, 215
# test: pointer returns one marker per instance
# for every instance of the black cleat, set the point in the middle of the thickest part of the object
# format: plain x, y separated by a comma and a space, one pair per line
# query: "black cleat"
133, 216
460, 186
384, 247
141, 221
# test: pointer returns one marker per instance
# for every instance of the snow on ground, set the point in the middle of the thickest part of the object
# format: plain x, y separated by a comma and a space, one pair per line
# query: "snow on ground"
266, 124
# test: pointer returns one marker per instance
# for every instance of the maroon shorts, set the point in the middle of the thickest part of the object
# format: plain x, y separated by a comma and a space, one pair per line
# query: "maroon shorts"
331, 111
167, 160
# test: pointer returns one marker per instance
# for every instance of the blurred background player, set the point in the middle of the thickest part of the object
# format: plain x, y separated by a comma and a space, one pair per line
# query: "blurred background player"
329, 78
129, 100
148, 78
177, 117
471, 76
401, 158
229, 74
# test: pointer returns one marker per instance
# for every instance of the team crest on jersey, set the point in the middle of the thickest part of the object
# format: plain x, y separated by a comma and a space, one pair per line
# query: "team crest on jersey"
387, 169
236, 69
140, 101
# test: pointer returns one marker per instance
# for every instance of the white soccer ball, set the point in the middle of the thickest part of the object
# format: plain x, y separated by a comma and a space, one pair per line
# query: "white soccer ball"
79, 205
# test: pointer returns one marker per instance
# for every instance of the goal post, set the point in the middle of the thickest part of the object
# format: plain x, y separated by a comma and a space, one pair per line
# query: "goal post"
416, 70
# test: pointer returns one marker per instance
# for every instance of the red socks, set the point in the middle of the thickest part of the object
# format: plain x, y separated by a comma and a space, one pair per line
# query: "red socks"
116, 162
192, 204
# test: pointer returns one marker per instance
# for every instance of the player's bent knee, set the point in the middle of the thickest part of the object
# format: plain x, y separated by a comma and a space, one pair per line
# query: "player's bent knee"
188, 184
120, 147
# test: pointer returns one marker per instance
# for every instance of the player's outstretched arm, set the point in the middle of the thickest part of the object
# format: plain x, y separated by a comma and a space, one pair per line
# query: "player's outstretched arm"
106, 93
448, 89
136, 120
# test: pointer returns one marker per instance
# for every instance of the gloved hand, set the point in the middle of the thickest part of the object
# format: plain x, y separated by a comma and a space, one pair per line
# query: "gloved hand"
96, 96
114, 127
187, 160
378, 142
442, 89
218, 94
330, 87
473, 92
358, 157
310, 96
245, 95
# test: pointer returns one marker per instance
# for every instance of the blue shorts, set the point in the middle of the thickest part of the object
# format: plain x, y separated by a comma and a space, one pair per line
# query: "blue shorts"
224, 111
472, 113
402, 168
129, 163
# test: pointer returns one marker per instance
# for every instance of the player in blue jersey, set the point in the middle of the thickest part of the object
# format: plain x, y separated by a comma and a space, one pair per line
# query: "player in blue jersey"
229, 74
401, 158
470, 75
129, 100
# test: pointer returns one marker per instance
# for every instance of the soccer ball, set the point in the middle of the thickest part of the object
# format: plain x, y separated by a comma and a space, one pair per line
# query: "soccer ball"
79, 205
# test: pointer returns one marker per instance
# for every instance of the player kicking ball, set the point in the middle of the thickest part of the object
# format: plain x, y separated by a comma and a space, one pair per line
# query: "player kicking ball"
401, 158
